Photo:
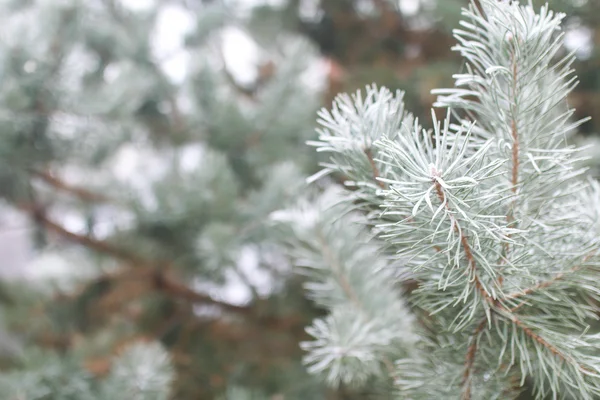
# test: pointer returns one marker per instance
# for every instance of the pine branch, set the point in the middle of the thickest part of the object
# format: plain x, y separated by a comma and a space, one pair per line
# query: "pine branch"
344, 268
349, 291
538, 287
337, 272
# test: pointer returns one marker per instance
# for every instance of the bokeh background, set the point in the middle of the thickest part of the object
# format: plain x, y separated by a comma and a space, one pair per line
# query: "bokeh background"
145, 144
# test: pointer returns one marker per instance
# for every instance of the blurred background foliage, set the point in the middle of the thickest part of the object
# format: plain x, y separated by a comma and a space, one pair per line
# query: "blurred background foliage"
143, 173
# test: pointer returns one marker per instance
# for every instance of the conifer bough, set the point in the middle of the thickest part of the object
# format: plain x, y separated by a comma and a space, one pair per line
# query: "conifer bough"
488, 213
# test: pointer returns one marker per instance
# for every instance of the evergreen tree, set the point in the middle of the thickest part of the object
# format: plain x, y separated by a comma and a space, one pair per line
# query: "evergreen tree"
480, 275
150, 189
152, 181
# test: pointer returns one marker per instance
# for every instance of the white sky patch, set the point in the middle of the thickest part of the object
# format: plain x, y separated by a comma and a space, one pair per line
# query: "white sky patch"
579, 3
366, 7
241, 55
315, 75
247, 5
15, 245
135, 161
172, 25
580, 40
309, 10
52, 269
139, 167
30, 66
73, 221
139, 5
190, 157
409, 7
111, 73
110, 220
248, 265
234, 291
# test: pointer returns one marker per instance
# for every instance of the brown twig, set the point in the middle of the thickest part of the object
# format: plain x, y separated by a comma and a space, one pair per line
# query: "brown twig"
89, 242
478, 7
545, 284
470, 360
465, 244
541, 340
175, 289
374, 168
510, 218
515, 157
514, 132
541, 285
152, 270
79, 192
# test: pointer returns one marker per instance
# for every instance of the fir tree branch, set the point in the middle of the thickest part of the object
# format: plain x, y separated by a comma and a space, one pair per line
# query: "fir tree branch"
350, 293
336, 270
340, 257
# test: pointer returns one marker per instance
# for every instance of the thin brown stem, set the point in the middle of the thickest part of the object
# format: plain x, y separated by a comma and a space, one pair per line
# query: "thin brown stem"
510, 215
515, 147
552, 349
79, 192
390, 367
514, 130
478, 6
465, 245
541, 285
100, 246
546, 284
374, 168
152, 270
515, 157
470, 360
178, 290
